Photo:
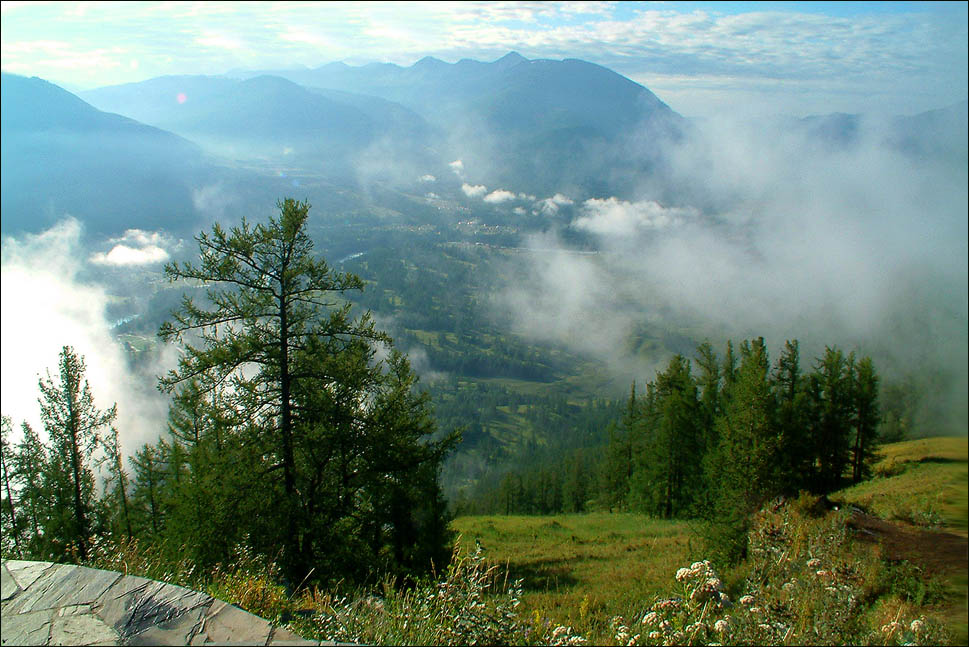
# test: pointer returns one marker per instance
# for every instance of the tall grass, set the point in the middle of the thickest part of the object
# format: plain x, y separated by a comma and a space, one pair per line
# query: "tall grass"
613, 579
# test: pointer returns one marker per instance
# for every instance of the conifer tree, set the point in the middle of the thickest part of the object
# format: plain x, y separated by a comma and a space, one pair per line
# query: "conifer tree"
742, 470
831, 394
8, 513
148, 481
118, 476
29, 470
669, 463
794, 461
73, 424
866, 419
339, 434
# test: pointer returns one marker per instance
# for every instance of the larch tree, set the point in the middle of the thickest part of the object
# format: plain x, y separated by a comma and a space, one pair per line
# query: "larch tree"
73, 424
118, 477
308, 393
11, 529
742, 470
867, 418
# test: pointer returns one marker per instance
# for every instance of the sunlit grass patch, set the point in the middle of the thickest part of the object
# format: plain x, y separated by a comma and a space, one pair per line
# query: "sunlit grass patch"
923, 482
925, 449
583, 569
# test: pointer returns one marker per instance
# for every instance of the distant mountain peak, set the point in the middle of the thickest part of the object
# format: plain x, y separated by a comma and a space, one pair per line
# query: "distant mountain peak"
511, 58
429, 61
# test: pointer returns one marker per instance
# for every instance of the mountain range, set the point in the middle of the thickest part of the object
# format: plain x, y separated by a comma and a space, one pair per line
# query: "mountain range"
61, 155
537, 127
541, 125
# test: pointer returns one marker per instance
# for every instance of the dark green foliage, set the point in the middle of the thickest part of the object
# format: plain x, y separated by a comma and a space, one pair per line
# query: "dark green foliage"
867, 419
717, 445
73, 425
667, 474
330, 443
742, 470
50, 507
30, 465
117, 482
8, 512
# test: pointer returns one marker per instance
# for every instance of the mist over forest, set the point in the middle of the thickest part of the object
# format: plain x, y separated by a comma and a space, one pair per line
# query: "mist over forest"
301, 299
614, 231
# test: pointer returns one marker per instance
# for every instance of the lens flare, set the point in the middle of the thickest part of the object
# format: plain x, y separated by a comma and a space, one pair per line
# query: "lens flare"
181, 97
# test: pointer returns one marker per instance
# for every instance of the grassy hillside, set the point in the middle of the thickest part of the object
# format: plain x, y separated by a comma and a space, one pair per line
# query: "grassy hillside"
582, 570
844, 570
920, 488
922, 482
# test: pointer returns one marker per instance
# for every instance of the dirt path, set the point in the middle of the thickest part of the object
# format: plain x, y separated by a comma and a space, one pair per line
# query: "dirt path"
936, 552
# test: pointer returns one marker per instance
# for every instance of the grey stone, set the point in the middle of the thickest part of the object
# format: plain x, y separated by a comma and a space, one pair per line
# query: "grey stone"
67, 586
46, 604
75, 610
117, 605
178, 630
82, 630
34, 596
26, 573
229, 623
165, 608
26, 628
8, 585
281, 637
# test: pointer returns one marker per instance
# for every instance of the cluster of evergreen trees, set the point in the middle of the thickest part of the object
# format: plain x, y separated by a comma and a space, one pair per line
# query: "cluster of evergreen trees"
714, 438
294, 430
719, 443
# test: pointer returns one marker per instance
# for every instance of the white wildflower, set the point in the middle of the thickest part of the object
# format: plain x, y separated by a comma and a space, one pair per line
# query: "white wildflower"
747, 600
721, 626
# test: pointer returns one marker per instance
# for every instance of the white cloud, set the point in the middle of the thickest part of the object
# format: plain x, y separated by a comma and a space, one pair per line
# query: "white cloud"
45, 306
861, 247
916, 56
550, 206
498, 196
427, 178
614, 217
125, 255
212, 201
458, 167
135, 247
143, 238
474, 191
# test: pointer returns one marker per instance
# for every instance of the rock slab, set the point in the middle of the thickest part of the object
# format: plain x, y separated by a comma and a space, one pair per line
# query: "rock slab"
62, 604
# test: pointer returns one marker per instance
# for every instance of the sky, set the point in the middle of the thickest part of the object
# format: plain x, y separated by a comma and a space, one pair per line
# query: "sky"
703, 59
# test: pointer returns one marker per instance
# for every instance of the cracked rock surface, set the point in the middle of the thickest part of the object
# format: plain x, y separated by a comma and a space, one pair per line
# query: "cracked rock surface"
62, 604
